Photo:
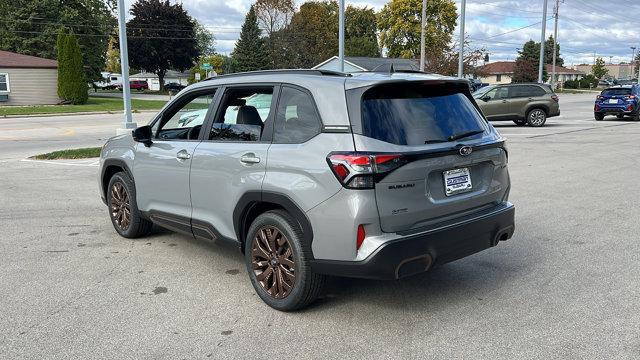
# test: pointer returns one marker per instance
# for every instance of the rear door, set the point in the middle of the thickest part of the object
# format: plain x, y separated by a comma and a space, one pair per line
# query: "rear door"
519, 97
438, 181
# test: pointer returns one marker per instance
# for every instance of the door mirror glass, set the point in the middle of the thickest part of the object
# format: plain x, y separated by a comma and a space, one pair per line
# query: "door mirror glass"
142, 135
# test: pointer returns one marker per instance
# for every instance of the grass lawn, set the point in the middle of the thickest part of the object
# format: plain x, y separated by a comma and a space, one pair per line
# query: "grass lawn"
94, 104
70, 154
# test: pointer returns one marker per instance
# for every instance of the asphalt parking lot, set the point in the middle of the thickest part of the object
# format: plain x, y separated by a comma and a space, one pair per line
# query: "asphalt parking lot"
564, 287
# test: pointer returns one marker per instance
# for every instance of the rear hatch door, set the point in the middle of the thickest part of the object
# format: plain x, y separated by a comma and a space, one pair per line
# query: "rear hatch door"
452, 161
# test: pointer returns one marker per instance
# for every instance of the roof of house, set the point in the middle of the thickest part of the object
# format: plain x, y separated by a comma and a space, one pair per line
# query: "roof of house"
370, 63
169, 74
13, 60
506, 67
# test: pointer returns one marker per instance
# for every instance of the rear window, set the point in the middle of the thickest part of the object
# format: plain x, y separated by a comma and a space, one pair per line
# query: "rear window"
418, 115
612, 92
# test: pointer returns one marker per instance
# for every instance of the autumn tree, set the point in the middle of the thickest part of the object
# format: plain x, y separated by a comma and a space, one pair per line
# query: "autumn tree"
360, 32
598, 69
312, 35
399, 23
113, 57
274, 16
161, 37
250, 52
525, 71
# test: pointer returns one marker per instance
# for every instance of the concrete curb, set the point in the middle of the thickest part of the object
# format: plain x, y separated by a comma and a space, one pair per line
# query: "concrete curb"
73, 113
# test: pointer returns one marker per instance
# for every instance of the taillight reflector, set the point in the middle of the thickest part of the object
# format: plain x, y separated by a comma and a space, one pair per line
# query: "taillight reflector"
357, 170
360, 237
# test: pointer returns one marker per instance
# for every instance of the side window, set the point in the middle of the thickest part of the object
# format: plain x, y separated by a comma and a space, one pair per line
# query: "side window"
296, 119
497, 93
517, 91
535, 91
184, 121
4, 82
242, 114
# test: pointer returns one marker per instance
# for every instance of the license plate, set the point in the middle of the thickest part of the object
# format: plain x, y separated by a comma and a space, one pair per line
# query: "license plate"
613, 101
457, 181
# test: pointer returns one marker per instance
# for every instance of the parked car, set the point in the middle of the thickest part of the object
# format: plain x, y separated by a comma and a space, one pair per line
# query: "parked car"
174, 87
523, 104
139, 85
366, 175
619, 101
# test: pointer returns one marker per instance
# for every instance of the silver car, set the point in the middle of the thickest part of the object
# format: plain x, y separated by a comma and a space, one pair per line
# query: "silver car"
314, 173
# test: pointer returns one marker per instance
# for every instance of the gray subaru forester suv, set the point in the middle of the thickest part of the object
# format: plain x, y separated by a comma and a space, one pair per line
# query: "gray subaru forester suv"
314, 173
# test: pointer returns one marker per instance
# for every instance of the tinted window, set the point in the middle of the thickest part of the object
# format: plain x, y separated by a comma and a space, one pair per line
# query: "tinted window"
296, 119
612, 92
243, 114
189, 112
417, 116
496, 93
525, 91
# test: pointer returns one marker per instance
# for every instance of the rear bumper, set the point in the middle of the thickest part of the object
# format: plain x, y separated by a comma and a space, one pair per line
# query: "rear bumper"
619, 109
418, 253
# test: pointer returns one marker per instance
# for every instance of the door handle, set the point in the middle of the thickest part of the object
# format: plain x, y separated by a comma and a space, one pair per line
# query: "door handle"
249, 158
183, 155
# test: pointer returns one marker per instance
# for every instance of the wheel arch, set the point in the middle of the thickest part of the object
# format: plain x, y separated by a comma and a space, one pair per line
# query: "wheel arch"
532, 107
254, 203
109, 168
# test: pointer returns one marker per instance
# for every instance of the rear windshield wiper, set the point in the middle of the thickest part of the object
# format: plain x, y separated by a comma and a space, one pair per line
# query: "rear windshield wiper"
464, 135
435, 141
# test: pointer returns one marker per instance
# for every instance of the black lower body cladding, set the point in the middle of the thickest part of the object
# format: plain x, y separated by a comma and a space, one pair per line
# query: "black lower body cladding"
417, 253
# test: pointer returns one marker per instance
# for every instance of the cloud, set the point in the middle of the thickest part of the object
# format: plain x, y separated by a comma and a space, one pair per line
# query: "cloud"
585, 26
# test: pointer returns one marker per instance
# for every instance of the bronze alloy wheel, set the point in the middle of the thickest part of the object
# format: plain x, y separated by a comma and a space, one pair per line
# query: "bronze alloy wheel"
272, 261
120, 206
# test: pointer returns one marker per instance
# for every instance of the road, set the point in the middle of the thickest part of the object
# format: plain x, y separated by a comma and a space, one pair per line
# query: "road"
565, 287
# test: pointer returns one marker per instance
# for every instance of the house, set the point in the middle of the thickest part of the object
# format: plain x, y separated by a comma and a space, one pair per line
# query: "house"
27, 80
355, 64
501, 72
171, 76
616, 71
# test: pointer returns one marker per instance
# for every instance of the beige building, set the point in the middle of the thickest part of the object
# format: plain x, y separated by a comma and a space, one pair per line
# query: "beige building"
616, 71
27, 80
501, 72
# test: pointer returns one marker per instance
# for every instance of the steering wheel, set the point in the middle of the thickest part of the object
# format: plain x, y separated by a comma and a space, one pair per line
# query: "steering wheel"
193, 133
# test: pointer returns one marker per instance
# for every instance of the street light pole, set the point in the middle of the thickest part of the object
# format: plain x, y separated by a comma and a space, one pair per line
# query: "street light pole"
463, 5
340, 36
555, 42
633, 57
128, 123
422, 35
542, 39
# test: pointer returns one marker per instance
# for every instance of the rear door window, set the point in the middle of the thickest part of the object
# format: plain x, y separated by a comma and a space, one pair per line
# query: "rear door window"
418, 115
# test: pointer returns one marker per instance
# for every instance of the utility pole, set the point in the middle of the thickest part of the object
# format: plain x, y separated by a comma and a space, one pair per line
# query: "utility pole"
633, 58
340, 36
127, 124
463, 5
555, 45
542, 39
422, 35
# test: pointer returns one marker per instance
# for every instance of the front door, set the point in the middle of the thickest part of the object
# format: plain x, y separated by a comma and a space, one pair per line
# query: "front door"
232, 158
496, 105
161, 171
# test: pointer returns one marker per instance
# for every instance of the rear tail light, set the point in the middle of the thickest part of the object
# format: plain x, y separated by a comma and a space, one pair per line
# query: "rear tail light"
555, 97
629, 97
358, 171
360, 236
600, 97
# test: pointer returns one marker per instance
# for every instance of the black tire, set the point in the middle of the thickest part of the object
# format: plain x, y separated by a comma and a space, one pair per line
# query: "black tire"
636, 116
306, 285
136, 226
520, 122
598, 116
620, 116
536, 117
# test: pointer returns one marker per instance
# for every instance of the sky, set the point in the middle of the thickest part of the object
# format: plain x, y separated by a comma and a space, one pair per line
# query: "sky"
500, 26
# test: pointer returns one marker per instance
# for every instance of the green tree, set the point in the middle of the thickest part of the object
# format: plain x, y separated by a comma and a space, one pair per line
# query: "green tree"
205, 40
312, 36
250, 52
30, 27
598, 69
72, 82
360, 32
548, 52
399, 23
216, 61
113, 57
525, 71
274, 16
161, 37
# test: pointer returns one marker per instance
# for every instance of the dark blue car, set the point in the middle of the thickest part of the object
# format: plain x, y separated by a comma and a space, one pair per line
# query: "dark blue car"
619, 101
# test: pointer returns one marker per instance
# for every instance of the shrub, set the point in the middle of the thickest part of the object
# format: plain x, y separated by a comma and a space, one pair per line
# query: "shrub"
72, 82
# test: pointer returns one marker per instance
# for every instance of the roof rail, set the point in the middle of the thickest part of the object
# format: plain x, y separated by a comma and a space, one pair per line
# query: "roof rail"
282, 72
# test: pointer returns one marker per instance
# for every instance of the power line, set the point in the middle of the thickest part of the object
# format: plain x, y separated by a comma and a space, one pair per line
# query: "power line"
514, 30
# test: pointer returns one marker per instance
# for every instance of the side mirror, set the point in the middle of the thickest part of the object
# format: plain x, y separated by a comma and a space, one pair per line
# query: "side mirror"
142, 135
486, 98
